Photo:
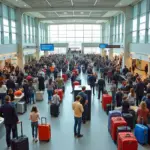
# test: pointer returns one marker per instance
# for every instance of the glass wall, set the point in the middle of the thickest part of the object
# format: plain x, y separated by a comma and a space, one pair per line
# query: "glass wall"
140, 27
43, 33
28, 29
7, 25
74, 33
118, 28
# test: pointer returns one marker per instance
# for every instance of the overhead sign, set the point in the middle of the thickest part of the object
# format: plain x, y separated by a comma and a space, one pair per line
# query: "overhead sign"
47, 47
113, 46
102, 45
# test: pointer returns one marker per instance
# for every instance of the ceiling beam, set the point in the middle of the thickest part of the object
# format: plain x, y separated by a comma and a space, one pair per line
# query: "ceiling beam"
93, 9
74, 18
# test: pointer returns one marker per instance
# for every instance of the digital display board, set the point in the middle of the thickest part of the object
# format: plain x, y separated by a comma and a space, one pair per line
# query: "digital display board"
103, 45
47, 47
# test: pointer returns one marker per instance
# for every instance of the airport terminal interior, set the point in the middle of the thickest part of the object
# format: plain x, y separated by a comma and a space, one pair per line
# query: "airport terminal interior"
81, 43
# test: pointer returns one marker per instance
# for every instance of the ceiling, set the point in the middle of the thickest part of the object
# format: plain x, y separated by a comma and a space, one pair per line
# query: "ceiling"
72, 11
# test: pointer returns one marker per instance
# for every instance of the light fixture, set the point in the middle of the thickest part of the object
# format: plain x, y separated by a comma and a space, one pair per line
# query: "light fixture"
82, 13
65, 13
16, 0
25, 5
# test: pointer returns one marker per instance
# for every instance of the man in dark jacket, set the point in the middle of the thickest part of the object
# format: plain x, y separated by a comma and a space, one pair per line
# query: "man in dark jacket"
101, 86
10, 84
92, 80
7, 111
140, 87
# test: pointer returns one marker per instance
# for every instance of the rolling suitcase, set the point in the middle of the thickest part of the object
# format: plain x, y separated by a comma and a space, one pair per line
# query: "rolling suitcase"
148, 133
127, 141
141, 133
113, 113
44, 130
60, 93
106, 99
21, 142
21, 107
78, 80
115, 123
54, 110
123, 129
109, 107
129, 119
64, 76
39, 95
134, 116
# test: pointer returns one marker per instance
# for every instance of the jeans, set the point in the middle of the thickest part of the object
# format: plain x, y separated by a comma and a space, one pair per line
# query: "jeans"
138, 99
2, 97
84, 114
77, 123
31, 98
99, 92
34, 126
113, 97
9, 128
50, 93
93, 87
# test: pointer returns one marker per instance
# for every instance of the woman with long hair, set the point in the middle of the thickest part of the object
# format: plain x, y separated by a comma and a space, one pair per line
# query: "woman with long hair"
131, 97
142, 113
34, 117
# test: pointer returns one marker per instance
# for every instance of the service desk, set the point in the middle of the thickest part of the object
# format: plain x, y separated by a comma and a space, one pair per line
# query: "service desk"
78, 89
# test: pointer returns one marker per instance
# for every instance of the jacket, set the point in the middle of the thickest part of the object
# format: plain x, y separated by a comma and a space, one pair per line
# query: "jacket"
140, 89
8, 112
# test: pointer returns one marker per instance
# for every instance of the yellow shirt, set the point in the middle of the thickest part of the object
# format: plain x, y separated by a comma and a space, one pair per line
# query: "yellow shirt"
78, 109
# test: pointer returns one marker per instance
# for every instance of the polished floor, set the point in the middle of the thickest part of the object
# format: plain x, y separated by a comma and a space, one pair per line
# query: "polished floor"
95, 132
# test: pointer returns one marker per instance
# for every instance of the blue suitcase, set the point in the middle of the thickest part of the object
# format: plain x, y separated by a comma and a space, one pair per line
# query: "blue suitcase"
141, 133
113, 113
148, 133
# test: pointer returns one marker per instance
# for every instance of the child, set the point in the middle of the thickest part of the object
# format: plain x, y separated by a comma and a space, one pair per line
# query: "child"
34, 117
31, 92
142, 113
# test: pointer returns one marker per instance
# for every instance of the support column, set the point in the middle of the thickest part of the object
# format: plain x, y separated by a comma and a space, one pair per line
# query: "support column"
37, 39
19, 38
127, 34
111, 39
46, 38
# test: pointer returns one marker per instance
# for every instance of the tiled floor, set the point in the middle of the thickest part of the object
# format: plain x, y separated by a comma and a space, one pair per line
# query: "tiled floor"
95, 132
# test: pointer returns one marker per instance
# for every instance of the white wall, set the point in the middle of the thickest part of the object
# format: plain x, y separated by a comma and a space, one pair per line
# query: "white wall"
140, 51
8, 48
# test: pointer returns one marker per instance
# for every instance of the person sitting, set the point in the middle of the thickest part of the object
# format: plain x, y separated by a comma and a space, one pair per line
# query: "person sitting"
119, 96
131, 97
55, 99
142, 113
125, 105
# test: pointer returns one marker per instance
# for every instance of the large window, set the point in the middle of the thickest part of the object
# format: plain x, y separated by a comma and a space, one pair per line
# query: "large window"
142, 28
74, 33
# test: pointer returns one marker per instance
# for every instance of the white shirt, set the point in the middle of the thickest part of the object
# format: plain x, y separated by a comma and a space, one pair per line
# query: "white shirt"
131, 99
3, 89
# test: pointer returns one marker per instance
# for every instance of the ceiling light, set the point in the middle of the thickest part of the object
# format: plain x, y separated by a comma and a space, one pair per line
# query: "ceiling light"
25, 5
82, 13
65, 13
16, 0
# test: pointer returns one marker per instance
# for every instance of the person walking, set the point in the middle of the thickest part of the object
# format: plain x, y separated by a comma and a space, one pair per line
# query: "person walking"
8, 112
78, 110
34, 117
3, 91
92, 80
101, 86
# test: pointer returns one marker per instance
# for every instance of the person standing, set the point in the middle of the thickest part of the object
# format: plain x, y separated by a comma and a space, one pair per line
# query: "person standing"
92, 80
8, 112
78, 110
101, 86
3, 91
113, 90
34, 117
146, 69
84, 102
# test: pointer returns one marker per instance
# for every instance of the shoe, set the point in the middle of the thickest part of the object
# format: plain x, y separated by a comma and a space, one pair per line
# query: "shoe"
79, 136
75, 135
8, 147
36, 140
33, 139
84, 122
94, 94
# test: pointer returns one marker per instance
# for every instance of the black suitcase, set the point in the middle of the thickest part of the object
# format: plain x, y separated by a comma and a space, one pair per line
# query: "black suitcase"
129, 119
54, 110
109, 107
123, 129
134, 116
21, 142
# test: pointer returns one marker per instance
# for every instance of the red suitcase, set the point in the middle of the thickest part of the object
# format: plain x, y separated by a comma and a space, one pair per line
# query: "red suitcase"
127, 141
60, 93
106, 99
44, 130
115, 123
64, 76
75, 83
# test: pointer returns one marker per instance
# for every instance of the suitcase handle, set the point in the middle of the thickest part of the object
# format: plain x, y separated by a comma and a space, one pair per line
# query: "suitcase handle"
21, 129
44, 119
127, 135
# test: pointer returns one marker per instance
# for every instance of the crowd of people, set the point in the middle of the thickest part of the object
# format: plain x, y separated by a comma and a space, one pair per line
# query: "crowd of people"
126, 87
